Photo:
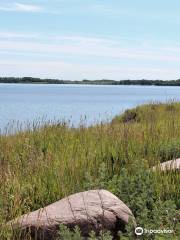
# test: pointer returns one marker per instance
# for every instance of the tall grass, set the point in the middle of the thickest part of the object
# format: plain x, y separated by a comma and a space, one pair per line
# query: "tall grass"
41, 165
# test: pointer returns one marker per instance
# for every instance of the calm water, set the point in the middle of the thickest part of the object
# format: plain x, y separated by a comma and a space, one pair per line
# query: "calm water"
74, 102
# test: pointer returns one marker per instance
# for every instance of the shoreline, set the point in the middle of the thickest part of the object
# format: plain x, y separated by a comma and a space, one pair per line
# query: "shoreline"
139, 82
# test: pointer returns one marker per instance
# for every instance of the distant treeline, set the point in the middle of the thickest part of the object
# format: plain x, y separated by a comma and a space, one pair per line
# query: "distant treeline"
95, 82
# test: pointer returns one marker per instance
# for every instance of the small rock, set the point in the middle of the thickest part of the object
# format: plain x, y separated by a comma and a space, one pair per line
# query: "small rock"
169, 165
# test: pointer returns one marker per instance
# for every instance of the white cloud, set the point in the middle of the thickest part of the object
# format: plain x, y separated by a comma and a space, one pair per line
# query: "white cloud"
122, 58
19, 7
82, 40
89, 47
60, 69
27, 8
18, 35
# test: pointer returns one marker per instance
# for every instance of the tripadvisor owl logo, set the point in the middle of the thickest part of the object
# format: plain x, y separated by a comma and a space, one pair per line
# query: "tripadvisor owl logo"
139, 231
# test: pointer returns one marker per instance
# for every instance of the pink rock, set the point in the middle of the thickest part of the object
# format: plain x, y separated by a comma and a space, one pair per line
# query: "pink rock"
169, 165
91, 210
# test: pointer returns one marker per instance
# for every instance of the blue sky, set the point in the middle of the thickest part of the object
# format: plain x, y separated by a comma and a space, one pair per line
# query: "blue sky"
92, 39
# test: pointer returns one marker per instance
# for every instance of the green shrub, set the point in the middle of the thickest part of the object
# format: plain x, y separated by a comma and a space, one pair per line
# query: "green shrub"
141, 190
66, 234
170, 150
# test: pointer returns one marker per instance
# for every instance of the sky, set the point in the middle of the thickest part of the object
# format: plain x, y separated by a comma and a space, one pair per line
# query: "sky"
90, 39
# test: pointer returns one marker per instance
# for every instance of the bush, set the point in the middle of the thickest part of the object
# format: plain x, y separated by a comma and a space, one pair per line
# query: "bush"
66, 234
170, 150
141, 190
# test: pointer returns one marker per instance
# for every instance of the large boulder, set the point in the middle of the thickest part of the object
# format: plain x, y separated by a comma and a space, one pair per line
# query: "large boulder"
169, 165
91, 210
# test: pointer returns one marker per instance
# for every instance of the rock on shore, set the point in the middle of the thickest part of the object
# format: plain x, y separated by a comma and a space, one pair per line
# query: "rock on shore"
169, 165
91, 210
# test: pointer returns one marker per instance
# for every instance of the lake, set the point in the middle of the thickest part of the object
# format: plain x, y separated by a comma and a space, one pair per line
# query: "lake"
77, 103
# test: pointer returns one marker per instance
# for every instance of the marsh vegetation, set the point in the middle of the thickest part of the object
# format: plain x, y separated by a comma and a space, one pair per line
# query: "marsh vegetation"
42, 165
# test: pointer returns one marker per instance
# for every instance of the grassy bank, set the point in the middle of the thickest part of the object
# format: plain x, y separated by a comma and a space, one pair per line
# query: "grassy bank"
40, 166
